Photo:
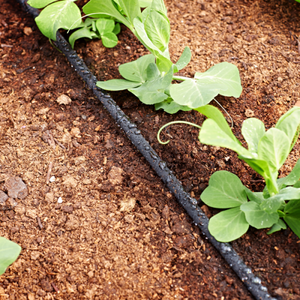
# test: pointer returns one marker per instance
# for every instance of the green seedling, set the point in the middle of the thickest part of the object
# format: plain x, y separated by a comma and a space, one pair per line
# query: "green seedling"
279, 203
9, 252
150, 77
65, 14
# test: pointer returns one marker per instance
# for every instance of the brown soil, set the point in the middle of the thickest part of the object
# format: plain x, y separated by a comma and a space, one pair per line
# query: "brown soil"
118, 233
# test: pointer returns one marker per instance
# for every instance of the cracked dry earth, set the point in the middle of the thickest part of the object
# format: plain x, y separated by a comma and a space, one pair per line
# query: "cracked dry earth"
93, 220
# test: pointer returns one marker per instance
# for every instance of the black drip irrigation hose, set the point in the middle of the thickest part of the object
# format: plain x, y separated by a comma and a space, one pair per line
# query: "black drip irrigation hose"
252, 282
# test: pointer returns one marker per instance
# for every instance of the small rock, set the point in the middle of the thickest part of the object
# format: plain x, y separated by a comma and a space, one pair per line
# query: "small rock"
115, 175
16, 188
60, 200
63, 99
52, 179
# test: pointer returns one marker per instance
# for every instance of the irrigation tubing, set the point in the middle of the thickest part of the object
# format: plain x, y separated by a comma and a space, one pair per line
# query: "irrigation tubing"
252, 282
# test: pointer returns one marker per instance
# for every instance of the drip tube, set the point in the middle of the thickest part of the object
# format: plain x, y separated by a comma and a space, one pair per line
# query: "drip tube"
252, 283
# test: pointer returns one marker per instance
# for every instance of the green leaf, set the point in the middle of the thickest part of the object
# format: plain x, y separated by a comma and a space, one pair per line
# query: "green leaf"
157, 27
117, 29
109, 40
228, 225
143, 37
225, 190
292, 217
225, 76
152, 72
9, 252
152, 92
184, 59
63, 14
254, 196
277, 226
289, 124
131, 8
163, 63
137, 70
273, 203
116, 84
252, 131
145, 3
159, 6
170, 106
105, 25
213, 113
163, 58
212, 134
84, 32
292, 178
40, 3
194, 93
98, 9
274, 148
257, 217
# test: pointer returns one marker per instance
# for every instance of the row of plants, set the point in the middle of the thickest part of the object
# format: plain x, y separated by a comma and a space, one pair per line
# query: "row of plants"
151, 79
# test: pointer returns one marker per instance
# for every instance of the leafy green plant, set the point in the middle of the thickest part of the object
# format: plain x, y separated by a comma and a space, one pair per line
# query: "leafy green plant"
9, 252
65, 14
150, 77
279, 203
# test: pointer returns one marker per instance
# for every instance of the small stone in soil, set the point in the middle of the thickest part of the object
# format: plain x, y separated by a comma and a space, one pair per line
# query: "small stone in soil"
16, 188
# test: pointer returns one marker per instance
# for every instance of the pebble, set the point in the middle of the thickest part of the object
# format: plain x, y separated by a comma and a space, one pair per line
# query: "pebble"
60, 200
52, 179
16, 188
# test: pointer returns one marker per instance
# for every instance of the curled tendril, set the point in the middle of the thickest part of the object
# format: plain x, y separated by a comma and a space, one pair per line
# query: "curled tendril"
171, 123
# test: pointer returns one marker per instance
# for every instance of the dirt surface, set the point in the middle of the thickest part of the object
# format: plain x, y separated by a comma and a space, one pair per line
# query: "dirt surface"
97, 223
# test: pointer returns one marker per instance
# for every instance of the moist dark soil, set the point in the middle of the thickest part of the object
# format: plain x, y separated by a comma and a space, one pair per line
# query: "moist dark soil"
97, 222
